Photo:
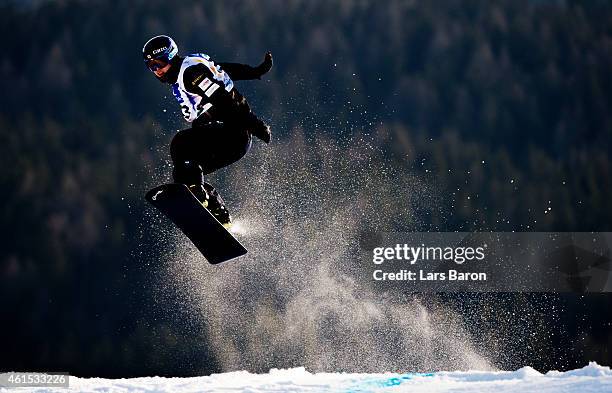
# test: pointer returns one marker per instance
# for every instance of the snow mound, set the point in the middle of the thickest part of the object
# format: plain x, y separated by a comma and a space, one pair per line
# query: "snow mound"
592, 378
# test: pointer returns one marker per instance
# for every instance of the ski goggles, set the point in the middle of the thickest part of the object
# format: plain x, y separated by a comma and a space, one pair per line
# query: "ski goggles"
155, 64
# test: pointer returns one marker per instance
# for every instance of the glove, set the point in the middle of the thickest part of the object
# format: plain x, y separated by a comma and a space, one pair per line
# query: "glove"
262, 131
266, 65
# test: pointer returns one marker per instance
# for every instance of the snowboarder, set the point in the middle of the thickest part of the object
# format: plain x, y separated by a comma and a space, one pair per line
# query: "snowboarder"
221, 118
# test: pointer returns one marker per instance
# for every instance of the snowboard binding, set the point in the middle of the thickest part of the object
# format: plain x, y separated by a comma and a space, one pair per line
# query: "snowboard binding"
211, 200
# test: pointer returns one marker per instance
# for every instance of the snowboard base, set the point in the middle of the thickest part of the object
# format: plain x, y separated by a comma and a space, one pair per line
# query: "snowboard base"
208, 235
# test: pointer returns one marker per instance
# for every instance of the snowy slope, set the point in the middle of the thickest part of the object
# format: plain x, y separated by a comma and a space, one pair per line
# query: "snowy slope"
592, 378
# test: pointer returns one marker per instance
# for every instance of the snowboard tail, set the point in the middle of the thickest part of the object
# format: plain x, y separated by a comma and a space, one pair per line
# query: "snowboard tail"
209, 236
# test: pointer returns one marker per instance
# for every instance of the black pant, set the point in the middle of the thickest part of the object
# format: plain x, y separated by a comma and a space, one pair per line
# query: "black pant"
205, 148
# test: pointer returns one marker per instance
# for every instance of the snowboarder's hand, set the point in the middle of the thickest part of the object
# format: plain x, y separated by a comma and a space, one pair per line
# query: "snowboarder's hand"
266, 65
262, 131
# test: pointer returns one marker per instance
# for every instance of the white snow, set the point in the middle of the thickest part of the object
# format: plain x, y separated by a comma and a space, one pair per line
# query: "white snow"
592, 378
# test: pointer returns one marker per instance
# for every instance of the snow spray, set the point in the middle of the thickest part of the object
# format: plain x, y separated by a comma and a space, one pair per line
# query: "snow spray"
296, 298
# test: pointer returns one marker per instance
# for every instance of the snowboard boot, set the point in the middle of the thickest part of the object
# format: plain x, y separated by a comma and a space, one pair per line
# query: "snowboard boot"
217, 207
200, 193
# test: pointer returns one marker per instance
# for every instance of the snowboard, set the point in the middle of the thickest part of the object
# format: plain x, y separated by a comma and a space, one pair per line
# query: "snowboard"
209, 236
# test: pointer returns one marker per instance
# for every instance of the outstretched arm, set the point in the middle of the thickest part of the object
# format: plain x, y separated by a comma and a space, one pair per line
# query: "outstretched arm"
238, 71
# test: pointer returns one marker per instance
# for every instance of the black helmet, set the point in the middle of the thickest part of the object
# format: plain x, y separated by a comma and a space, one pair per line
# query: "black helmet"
158, 51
